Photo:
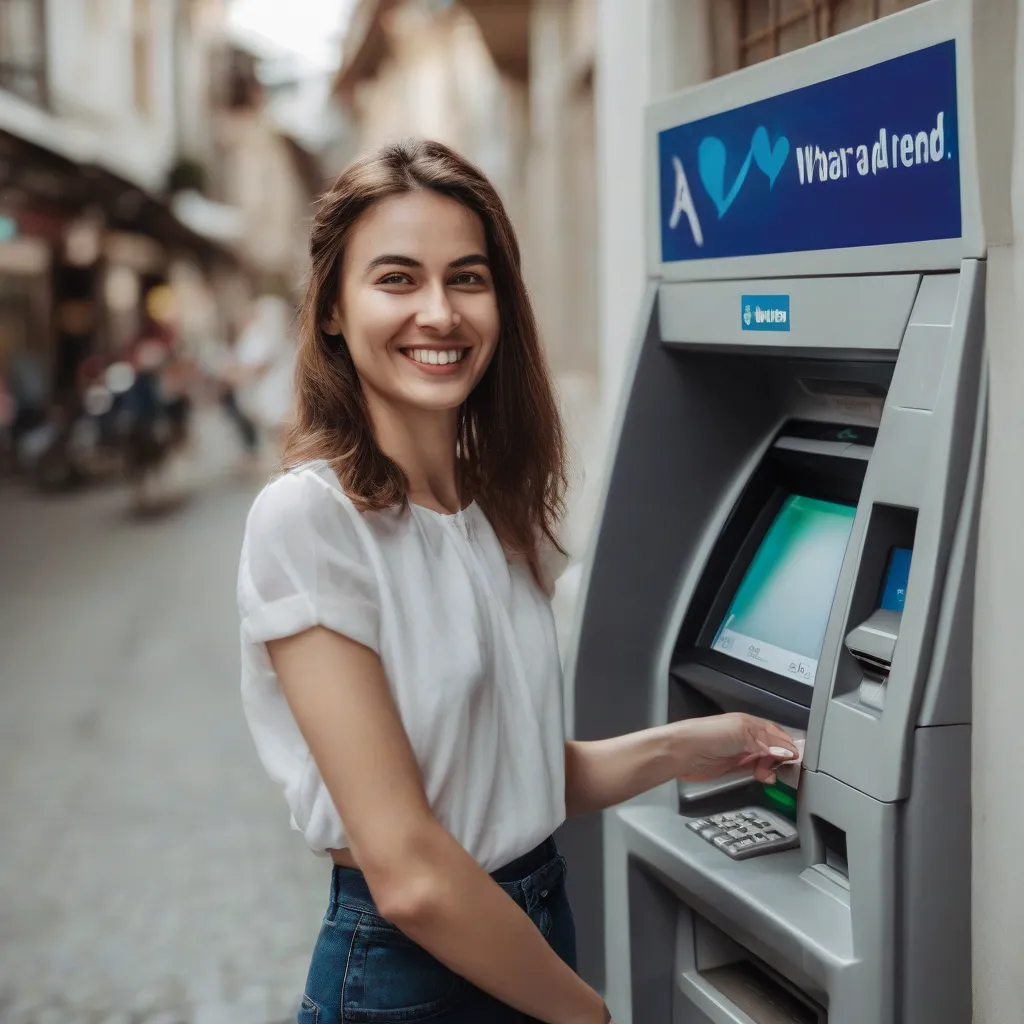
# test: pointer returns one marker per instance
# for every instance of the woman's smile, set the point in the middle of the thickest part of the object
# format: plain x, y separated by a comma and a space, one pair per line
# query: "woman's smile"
436, 361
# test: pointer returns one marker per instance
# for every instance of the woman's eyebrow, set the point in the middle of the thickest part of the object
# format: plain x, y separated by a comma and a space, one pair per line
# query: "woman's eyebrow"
473, 260
394, 260
391, 260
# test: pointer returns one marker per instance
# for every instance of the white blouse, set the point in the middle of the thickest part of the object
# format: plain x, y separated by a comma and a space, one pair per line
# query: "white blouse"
466, 638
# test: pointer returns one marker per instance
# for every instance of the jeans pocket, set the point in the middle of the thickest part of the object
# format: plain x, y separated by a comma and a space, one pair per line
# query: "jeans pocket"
309, 1012
389, 978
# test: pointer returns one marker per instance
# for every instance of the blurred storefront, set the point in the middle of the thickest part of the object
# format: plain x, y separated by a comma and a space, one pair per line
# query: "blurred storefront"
135, 152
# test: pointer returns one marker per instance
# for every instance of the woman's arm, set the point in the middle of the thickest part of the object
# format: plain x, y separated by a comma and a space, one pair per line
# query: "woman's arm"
420, 877
603, 773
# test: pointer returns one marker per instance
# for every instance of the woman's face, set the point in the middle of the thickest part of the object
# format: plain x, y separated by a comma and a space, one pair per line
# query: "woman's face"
417, 305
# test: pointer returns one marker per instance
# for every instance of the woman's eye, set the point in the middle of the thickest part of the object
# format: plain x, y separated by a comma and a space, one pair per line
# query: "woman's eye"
466, 277
395, 278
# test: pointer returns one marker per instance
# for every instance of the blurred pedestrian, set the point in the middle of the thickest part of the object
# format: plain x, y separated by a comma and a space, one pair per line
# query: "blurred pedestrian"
399, 576
262, 372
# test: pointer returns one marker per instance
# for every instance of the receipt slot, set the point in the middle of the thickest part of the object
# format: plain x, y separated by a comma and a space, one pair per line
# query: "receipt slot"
788, 528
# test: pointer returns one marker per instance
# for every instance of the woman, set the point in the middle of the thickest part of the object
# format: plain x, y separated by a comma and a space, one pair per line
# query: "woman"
401, 675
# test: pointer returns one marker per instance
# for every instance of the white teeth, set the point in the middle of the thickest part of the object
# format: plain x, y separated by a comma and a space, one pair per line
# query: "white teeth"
435, 357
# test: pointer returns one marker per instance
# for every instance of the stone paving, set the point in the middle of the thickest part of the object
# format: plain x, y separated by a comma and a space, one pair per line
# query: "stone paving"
147, 871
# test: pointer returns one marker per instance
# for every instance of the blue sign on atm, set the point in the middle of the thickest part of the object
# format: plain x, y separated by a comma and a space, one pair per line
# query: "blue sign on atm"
867, 158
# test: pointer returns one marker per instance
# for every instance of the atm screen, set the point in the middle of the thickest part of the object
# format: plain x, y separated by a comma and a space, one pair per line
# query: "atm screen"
778, 616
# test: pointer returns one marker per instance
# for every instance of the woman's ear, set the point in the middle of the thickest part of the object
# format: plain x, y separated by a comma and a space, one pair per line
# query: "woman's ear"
332, 324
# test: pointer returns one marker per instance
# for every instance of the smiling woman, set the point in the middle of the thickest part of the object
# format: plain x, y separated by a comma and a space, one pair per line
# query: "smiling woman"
400, 667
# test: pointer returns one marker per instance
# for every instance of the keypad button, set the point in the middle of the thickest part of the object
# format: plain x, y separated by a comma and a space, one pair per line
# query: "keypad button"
744, 844
697, 825
772, 835
750, 815
710, 833
723, 841
737, 833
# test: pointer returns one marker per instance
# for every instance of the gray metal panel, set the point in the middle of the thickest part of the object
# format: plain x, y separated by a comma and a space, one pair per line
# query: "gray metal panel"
935, 873
845, 313
921, 460
948, 691
780, 907
890, 37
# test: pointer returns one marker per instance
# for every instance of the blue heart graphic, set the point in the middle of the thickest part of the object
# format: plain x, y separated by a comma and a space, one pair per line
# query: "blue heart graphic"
769, 159
711, 157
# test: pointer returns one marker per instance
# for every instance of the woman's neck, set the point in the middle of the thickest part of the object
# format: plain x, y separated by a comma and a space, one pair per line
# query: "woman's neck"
423, 443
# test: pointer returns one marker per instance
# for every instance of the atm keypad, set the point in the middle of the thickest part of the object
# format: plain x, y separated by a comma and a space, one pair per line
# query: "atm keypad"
747, 833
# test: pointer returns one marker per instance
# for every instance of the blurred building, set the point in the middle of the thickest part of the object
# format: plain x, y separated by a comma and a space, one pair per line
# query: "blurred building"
135, 151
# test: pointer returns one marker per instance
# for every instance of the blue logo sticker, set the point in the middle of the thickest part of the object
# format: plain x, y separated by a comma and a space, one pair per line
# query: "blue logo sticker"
765, 312
867, 158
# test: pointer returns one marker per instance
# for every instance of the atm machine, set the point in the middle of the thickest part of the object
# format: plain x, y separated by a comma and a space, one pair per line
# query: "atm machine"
788, 529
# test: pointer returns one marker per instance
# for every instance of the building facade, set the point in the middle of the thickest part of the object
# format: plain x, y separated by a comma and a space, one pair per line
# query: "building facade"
135, 150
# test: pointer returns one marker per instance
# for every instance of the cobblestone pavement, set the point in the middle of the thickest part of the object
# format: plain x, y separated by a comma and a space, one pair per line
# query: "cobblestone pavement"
147, 871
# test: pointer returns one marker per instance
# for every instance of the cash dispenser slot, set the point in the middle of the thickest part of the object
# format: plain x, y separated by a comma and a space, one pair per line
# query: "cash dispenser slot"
729, 984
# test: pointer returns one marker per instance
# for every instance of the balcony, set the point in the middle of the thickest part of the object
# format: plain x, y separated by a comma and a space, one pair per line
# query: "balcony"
23, 49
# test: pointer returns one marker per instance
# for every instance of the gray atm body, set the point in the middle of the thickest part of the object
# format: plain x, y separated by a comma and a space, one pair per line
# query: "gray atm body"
869, 920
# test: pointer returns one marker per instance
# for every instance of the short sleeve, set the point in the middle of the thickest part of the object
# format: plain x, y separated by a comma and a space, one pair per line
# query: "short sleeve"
304, 564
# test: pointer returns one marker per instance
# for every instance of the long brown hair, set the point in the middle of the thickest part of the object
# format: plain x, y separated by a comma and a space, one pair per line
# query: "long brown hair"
511, 447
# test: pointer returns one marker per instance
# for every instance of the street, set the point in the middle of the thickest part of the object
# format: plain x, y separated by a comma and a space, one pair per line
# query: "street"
147, 871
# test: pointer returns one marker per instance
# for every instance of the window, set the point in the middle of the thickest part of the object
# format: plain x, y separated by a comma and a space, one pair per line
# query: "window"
749, 31
142, 35
23, 49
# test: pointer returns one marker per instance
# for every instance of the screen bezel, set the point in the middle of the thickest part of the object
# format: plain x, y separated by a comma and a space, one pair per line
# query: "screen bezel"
783, 472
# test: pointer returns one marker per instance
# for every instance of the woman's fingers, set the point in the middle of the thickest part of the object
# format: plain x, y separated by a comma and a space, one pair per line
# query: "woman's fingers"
778, 743
764, 770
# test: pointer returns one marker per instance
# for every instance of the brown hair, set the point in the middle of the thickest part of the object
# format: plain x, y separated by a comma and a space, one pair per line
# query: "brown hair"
511, 447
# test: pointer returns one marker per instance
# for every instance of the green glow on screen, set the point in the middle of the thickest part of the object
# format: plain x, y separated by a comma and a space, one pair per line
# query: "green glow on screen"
779, 613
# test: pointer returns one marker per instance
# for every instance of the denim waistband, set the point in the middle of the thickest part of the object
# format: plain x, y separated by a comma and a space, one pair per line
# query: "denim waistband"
523, 867
525, 879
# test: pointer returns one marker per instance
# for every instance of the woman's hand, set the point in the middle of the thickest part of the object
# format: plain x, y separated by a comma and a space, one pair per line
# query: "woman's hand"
720, 744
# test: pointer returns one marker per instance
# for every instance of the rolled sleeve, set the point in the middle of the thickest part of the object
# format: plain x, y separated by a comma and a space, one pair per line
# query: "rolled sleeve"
304, 565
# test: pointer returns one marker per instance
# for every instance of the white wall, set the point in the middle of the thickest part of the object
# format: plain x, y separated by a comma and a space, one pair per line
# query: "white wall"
646, 50
998, 830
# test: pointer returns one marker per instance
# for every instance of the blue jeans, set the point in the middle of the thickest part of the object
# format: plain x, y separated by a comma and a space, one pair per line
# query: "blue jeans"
365, 970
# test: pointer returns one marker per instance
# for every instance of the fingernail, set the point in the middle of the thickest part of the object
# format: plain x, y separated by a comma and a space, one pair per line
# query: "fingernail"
781, 752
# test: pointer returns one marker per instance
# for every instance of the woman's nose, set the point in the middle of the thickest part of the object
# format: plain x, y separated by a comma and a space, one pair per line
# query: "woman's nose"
437, 313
